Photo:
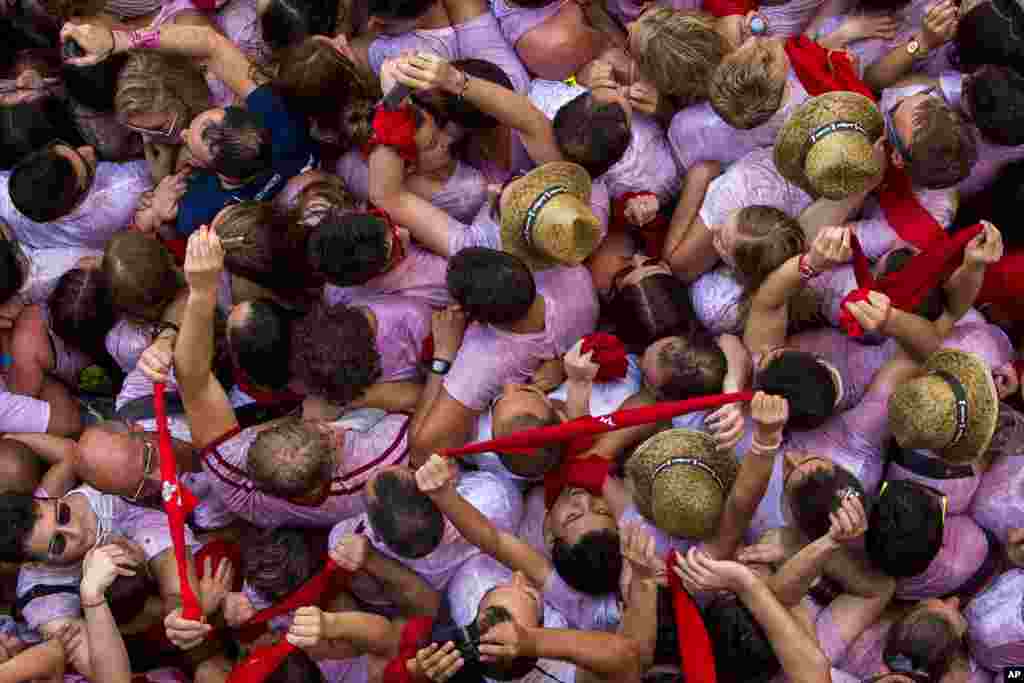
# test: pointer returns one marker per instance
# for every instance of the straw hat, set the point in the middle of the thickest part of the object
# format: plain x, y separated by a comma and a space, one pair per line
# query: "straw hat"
680, 482
827, 146
546, 218
923, 413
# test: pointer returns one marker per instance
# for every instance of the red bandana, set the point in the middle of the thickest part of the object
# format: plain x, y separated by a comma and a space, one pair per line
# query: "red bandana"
415, 634
821, 71
394, 128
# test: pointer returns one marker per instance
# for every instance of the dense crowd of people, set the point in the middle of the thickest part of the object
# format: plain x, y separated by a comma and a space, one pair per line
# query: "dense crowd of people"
511, 340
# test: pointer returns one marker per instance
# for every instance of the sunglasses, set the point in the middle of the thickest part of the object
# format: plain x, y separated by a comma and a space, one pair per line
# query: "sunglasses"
170, 132
59, 542
891, 132
943, 498
148, 459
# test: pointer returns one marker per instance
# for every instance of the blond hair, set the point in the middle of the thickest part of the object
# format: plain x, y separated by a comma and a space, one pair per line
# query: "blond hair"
155, 82
743, 90
678, 52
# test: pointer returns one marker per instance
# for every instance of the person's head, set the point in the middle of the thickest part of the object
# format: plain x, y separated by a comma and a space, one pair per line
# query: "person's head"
405, 519
50, 530
677, 51
21, 469
232, 142
94, 86
994, 95
755, 241
583, 537
80, 310
141, 276
517, 601
491, 286
51, 182
317, 74
520, 407
158, 94
30, 125
289, 22
743, 652
928, 638
295, 460
746, 89
905, 528
990, 33
259, 337
395, 17
459, 110
334, 353
814, 487
930, 140
934, 303
276, 562
592, 133
297, 667
355, 122
648, 302
812, 387
350, 249
678, 368
118, 459
307, 197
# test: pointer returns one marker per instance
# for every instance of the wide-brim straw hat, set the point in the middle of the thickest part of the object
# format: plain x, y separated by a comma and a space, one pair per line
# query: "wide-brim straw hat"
923, 413
546, 218
826, 146
681, 483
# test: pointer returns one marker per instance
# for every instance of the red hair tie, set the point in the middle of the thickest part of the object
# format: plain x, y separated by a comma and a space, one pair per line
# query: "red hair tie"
178, 502
394, 128
609, 354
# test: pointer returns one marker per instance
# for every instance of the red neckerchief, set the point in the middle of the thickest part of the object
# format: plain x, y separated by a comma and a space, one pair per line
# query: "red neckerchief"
909, 285
415, 634
821, 71
697, 659
264, 397
911, 221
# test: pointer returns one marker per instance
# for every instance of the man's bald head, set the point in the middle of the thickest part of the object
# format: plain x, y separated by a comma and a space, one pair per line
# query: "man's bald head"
111, 458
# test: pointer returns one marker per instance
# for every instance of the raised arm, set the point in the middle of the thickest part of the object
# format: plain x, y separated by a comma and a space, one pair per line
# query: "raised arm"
209, 411
436, 479
415, 598
965, 283
100, 569
937, 28
225, 59
688, 247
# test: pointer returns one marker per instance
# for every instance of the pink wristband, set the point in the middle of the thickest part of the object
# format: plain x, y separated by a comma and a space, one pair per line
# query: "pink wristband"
145, 39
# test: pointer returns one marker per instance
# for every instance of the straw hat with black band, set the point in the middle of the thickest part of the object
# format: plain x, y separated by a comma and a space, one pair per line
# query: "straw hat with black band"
951, 410
827, 146
681, 482
546, 218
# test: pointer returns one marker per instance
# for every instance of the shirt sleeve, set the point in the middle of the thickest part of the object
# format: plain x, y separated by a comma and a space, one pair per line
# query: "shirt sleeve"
23, 413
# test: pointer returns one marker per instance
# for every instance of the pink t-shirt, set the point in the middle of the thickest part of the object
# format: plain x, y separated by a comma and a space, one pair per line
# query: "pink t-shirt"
421, 275
999, 503
19, 413
697, 133
964, 549
46, 266
364, 452
490, 357
496, 499
403, 323
789, 18
648, 164
995, 622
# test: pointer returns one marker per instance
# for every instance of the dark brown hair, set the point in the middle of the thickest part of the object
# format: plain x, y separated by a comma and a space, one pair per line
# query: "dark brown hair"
141, 275
657, 306
943, 149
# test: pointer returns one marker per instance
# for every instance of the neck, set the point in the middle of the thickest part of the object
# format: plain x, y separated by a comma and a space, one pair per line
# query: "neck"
530, 323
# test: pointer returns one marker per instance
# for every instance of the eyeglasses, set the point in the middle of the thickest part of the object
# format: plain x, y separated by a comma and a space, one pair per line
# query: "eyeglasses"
169, 132
59, 542
147, 469
935, 492
890, 128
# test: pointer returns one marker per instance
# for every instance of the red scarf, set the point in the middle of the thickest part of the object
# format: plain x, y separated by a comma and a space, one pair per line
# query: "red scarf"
697, 659
724, 8
609, 354
821, 71
394, 128
178, 503
909, 285
587, 473
415, 634
911, 221
526, 441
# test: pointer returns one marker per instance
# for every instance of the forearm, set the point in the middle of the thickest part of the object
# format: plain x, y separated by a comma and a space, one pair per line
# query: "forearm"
798, 653
695, 186
198, 42
827, 10
428, 397
37, 662
824, 212
394, 397
193, 354
738, 364
916, 335
110, 662
414, 596
608, 655
578, 398
889, 69
740, 506
367, 633
962, 289
52, 449
791, 583
387, 178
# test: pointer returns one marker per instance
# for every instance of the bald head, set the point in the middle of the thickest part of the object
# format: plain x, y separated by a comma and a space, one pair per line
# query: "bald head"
21, 469
110, 459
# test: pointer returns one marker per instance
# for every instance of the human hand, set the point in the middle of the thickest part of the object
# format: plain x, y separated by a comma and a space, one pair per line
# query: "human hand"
872, 314
939, 24
101, 567
644, 97
507, 640
156, 361
10, 310
97, 42
438, 662
307, 629
580, 367
204, 261
770, 414
831, 247
640, 551
427, 71
849, 521
726, 426
1006, 379
1015, 547
238, 609
448, 327
185, 634
215, 587
642, 210
167, 195
437, 475
985, 248
351, 552
699, 572
863, 26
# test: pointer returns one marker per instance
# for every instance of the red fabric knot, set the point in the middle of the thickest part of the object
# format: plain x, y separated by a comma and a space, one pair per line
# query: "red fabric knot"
697, 659
821, 71
609, 354
415, 634
587, 473
394, 128
846, 319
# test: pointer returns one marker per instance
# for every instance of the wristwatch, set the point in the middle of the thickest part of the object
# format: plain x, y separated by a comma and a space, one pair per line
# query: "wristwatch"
916, 49
440, 366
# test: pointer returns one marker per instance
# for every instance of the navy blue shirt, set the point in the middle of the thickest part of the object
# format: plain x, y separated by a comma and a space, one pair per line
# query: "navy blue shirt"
293, 151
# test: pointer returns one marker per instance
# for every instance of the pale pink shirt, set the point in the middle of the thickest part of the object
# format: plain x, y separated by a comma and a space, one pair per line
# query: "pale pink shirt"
495, 498
107, 208
403, 324
630, 10
515, 22
827, 634
421, 274
19, 413
490, 357
697, 133
789, 18
381, 445
47, 266
964, 549
114, 517
999, 503
443, 42
648, 164
238, 20
126, 341
995, 622
481, 38
68, 361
